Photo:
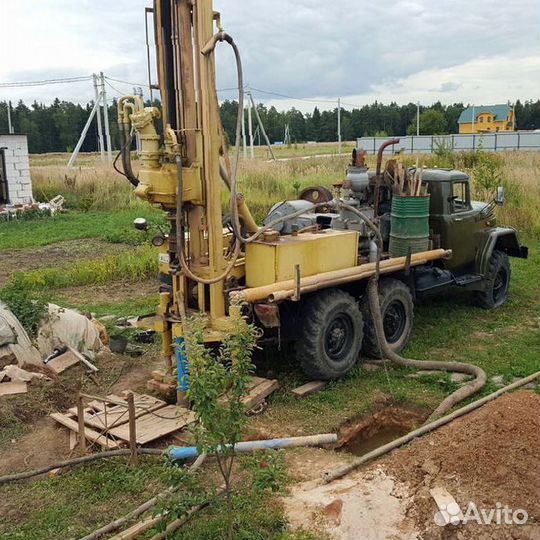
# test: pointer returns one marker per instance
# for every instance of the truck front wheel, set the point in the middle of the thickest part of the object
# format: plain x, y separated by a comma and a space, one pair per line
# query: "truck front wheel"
331, 332
397, 309
497, 282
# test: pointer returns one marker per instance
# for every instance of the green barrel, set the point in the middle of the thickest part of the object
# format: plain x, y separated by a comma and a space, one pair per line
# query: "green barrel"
409, 225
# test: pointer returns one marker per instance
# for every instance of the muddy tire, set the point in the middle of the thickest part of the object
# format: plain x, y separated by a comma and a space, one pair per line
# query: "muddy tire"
331, 334
497, 282
397, 308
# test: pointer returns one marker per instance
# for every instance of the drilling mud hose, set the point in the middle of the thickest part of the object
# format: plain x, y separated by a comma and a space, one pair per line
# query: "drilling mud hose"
388, 353
330, 476
462, 393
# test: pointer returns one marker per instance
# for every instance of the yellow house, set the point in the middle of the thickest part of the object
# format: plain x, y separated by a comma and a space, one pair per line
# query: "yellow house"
487, 119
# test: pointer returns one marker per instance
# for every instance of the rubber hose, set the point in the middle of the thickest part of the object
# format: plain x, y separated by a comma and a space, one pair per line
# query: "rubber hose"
457, 396
77, 461
375, 307
330, 476
126, 157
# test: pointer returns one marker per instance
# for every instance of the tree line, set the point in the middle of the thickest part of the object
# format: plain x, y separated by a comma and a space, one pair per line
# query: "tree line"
57, 127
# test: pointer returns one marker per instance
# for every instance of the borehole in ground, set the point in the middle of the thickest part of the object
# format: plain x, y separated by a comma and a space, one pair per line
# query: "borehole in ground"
359, 436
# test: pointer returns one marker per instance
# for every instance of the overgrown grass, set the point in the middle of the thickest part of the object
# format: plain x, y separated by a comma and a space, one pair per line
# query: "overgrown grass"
95, 186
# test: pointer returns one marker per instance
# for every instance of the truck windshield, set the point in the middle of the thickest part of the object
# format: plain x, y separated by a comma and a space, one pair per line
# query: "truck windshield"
460, 196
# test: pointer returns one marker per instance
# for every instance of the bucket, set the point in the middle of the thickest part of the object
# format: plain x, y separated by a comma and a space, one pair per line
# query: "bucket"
409, 226
118, 344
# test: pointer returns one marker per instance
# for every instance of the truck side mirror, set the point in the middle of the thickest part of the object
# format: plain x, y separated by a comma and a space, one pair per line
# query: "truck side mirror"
499, 197
140, 224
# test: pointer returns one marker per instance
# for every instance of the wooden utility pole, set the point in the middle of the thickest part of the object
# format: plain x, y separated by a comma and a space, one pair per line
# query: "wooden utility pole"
339, 125
250, 127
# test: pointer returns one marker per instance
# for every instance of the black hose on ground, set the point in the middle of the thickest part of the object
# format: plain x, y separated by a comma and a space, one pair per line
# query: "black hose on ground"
78, 461
459, 395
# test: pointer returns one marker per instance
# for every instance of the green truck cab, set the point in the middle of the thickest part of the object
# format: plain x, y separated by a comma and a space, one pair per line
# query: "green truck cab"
480, 248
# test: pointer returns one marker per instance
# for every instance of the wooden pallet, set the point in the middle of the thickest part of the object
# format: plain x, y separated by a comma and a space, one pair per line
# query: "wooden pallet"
108, 424
150, 426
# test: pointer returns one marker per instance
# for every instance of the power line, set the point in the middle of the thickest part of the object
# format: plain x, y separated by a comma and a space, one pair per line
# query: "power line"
121, 94
293, 97
307, 100
126, 82
64, 80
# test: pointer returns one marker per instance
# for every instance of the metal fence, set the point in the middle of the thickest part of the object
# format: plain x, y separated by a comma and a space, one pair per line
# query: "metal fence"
426, 144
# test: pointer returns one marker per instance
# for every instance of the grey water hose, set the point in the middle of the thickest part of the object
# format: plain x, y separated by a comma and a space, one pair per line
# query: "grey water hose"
207, 49
329, 476
480, 377
462, 393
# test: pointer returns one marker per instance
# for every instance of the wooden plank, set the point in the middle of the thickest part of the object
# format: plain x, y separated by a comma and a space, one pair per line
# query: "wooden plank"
448, 506
90, 434
152, 426
255, 381
308, 389
63, 362
9, 388
258, 394
117, 415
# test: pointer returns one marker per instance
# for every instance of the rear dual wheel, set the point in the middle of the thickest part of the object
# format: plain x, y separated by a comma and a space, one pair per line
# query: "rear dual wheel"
397, 309
331, 333
334, 328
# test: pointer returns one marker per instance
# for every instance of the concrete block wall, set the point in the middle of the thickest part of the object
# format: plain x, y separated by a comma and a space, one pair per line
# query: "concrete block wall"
17, 168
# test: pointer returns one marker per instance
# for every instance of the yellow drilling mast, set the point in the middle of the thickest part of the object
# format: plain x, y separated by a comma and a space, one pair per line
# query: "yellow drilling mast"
197, 256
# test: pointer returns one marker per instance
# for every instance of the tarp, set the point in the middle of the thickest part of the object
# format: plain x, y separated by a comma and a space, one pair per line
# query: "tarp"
68, 327
61, 327
14, 340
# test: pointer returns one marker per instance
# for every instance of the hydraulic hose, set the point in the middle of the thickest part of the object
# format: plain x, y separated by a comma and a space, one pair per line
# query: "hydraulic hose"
126, 157
179, 238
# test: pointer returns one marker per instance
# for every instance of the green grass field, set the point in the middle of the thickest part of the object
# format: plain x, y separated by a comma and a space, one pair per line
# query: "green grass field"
503, 341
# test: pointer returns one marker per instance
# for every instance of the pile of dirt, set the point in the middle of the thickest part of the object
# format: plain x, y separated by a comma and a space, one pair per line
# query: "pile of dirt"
489, 457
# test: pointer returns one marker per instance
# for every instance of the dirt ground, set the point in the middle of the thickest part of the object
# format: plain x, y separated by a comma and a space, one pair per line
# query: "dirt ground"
58, 254
44, 441
489, 457
108, 293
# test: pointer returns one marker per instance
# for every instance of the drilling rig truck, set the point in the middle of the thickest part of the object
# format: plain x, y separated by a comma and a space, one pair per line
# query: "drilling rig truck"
301, 275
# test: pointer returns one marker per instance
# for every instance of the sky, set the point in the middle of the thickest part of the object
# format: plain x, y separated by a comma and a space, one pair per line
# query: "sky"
481, 51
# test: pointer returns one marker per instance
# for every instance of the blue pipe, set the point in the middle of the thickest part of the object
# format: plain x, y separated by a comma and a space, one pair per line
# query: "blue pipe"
186, 452
181, 365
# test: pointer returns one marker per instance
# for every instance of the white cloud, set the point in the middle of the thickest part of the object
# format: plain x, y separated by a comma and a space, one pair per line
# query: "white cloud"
401, 50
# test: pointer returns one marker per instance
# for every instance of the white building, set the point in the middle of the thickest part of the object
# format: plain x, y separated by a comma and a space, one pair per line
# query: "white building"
15, 180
